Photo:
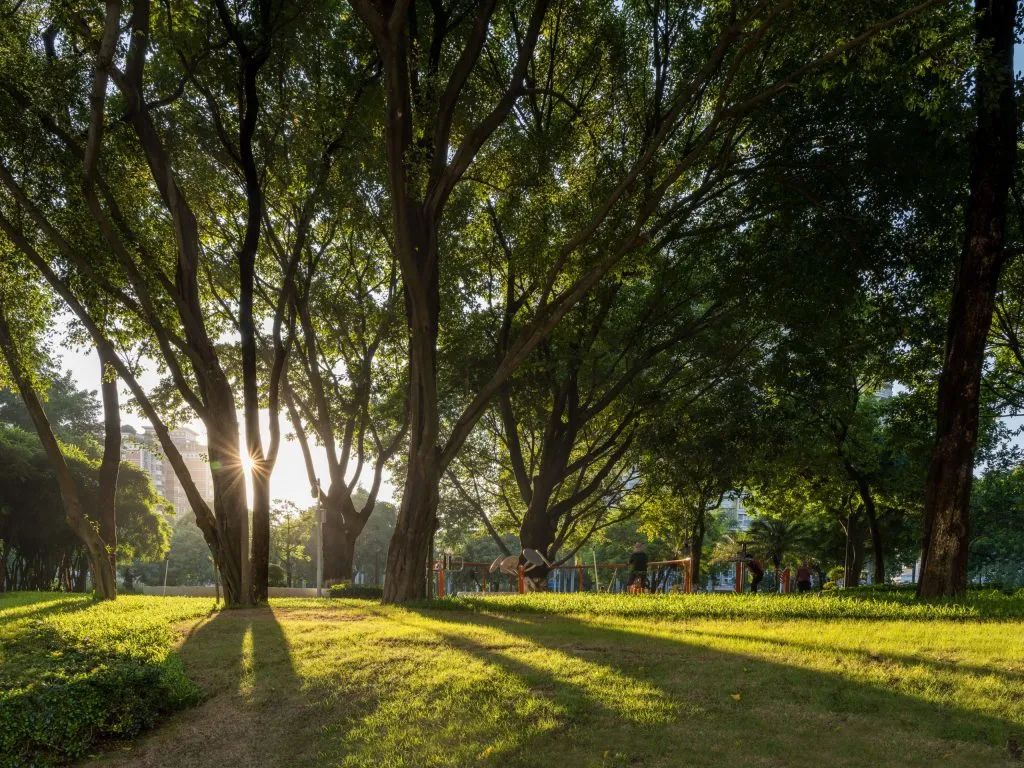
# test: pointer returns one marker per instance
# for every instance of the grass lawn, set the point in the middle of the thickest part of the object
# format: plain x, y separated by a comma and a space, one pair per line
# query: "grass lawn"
588, 681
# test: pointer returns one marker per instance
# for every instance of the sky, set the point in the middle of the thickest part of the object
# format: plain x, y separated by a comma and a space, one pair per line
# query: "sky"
289, 480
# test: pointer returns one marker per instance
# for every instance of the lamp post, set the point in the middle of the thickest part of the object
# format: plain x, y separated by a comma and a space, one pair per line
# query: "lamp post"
315, 490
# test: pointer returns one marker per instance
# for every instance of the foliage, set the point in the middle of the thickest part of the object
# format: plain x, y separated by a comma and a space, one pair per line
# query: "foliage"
76, 672
997, 522
73, 413
36, 544
290, 532
186, 563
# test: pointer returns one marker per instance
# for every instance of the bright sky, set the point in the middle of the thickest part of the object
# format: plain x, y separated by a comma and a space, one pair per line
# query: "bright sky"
289, 480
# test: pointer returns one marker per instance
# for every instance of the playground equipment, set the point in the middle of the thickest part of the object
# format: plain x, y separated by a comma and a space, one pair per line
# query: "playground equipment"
512, 573
785, 584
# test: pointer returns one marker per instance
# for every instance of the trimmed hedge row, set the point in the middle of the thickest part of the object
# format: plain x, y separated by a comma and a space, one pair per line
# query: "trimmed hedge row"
74, 672
347, 589
855, 604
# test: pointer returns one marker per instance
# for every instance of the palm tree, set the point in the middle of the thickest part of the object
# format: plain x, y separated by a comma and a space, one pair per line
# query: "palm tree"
776, 537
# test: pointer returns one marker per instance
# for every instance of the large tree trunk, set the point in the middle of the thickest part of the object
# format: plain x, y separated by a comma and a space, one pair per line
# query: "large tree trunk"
948, 491
342, 527
409, 550
538, 531
230, 507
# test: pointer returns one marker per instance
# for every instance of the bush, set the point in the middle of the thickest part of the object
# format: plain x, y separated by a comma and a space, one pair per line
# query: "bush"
76, 672
359, 591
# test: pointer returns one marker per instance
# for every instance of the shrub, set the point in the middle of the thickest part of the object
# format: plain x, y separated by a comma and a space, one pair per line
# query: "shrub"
76, 672
360, 591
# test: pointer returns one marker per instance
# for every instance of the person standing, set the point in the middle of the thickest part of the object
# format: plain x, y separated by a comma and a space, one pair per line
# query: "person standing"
638, 568
756, 571
803, 577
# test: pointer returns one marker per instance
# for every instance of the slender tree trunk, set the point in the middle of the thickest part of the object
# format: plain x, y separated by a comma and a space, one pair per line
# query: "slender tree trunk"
104, 578
871, 513
994, 145
106, 497
854, 559
697, 546
260, 562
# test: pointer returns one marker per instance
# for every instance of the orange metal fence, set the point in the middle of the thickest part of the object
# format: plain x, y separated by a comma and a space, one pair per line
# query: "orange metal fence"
578, 571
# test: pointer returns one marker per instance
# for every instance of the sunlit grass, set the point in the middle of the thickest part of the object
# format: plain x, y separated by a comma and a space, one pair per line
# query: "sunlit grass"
352, 683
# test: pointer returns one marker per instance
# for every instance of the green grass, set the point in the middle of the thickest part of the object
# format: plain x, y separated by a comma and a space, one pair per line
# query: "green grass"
584, 681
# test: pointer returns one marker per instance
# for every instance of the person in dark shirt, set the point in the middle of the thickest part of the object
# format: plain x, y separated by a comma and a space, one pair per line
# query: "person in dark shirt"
638, 566
803, 577
756, 571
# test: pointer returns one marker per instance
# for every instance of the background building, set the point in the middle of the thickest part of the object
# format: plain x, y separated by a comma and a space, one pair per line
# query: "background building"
143, 450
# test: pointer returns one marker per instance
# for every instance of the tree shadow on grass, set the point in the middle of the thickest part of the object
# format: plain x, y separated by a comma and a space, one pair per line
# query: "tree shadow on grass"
28, 605
728, 708
884, 657
252, 713
443, 688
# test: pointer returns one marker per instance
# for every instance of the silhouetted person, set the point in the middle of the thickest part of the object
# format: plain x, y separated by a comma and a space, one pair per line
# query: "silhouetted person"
756, 571
638, 566
803, 577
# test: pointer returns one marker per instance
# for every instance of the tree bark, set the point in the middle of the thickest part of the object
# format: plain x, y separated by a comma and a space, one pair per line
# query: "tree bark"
697, 545
409, 550
110, 464
993, 159
871, 513
853, 562
342, 527
230, 506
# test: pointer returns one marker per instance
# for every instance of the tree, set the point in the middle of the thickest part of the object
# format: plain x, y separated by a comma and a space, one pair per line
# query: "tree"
776, 538
290, 529
98, 532
993, 161
190, 154
345, 386
37, 548
73, 412
997, 516
669, 139
697, 451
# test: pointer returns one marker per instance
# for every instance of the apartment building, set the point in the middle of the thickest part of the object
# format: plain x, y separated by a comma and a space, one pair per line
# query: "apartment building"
143, 450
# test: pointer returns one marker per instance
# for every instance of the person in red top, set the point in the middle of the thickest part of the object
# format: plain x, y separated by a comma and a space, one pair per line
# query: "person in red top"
803, 577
